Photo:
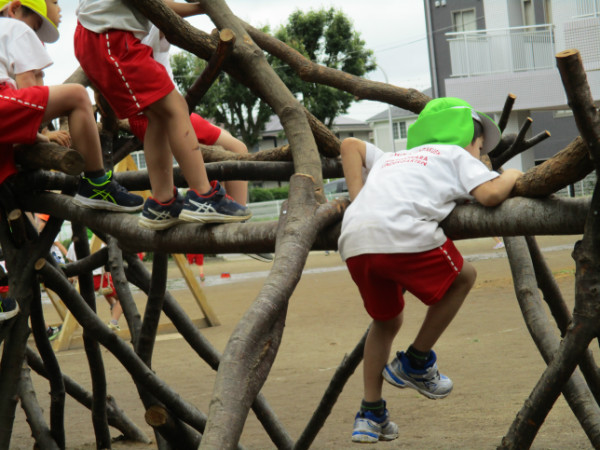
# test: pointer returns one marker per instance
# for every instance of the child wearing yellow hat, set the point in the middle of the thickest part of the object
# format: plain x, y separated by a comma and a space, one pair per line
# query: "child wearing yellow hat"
25, 103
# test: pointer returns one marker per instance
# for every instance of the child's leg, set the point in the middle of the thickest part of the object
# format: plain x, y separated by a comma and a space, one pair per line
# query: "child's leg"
238, 189
72, 100
376, 355
170, 115
441, 314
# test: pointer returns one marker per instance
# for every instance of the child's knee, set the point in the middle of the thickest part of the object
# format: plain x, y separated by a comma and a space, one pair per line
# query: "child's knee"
468, 274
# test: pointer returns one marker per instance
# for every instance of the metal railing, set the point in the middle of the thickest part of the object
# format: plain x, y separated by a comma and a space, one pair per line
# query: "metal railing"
516, 49
587, 8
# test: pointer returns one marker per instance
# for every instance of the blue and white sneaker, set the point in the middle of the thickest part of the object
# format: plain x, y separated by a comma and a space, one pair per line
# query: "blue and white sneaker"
429, 381
160, 216
108, 195
368, 428
216, 207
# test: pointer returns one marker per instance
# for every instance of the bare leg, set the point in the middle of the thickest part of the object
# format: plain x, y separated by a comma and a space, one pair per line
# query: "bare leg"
170, 115
441, 314
238, 189
72, 100
377, 353
117, 310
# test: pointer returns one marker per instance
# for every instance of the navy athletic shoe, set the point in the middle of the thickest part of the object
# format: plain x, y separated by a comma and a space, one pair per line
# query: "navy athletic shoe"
216, 207
108, 195
160, 216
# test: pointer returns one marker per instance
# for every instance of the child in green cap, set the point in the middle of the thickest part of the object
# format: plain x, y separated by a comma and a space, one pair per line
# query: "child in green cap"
391, 241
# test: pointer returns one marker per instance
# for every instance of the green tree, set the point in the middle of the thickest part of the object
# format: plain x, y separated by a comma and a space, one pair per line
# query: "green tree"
227, 102
326, 37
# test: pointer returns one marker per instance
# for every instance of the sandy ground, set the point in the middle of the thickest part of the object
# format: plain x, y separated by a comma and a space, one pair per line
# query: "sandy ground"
487, 351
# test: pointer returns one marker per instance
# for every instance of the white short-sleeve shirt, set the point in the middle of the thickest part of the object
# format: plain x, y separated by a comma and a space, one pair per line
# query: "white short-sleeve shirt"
405, 197
20, 50
103, 15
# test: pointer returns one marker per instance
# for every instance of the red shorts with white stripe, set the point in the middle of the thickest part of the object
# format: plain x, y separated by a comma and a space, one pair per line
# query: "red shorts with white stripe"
122, 68
382, 277
22, 111
206, 132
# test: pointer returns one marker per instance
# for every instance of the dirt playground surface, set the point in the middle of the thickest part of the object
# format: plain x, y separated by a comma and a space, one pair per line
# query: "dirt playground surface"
487, 351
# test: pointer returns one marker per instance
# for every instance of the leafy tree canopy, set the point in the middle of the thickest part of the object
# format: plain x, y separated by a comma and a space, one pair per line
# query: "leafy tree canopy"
326, 37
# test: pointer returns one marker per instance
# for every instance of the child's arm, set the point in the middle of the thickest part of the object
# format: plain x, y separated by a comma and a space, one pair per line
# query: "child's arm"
353, 153
494, 192
185, 9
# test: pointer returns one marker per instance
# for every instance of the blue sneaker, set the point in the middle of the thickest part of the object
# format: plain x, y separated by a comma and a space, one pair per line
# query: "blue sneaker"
160, 216
217, 207
368, 428
8, 308
108, 195
429, 381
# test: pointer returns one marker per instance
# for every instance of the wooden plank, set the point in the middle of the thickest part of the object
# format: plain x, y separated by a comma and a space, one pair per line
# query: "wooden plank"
196, 290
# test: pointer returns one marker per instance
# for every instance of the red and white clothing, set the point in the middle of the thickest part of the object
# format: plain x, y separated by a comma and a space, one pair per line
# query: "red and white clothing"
206, 132
109, 50
103, 15
21, 110
405, 197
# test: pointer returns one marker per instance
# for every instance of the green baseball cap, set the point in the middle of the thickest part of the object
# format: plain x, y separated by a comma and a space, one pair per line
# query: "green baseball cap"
449, 120
48, 31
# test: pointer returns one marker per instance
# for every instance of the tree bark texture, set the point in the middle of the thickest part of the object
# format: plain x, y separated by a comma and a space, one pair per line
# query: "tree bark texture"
34, 414
575, 390
253, 345
116, 416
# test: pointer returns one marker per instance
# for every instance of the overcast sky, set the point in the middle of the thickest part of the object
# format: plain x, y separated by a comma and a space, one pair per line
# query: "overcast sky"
394, 30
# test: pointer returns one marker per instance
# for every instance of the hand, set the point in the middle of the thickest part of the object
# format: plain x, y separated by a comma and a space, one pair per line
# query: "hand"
41, 138
60, 137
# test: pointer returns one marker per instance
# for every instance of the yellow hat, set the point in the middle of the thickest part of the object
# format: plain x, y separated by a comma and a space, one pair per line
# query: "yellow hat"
48, 31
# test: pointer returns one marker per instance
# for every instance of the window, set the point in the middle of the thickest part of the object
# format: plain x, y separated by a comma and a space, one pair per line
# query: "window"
395, 129
402, 126
528, 13
464, 20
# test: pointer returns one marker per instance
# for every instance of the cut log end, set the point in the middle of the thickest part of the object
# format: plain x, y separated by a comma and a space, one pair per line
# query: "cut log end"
567, 53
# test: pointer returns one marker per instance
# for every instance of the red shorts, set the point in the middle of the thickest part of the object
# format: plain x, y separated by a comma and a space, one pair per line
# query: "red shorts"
122, 68
22, 111
381, 277
197, 258
105, 281
206, 132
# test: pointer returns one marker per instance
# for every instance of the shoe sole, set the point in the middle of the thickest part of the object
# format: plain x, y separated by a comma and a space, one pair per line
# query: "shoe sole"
157, 225
257, 257
9, 314
363, 438
190, 216
104, 205
403, 383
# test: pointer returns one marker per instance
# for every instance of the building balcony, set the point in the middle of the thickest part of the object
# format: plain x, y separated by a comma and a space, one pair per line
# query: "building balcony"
488, 52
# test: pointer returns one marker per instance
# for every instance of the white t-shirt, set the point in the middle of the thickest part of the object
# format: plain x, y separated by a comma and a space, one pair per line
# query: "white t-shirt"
160, 48
102, 15
20, 50
405, 196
